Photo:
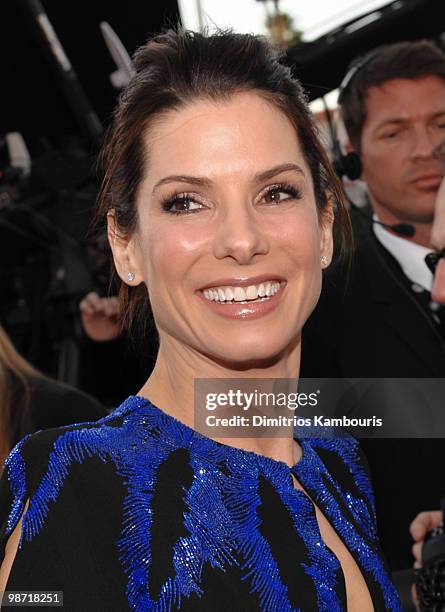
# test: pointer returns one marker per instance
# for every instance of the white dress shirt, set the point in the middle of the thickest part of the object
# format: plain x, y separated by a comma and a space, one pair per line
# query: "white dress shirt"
409, 255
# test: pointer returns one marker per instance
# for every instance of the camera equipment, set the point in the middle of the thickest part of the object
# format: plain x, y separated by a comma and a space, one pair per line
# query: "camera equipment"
120, 77
74, 92
430, 579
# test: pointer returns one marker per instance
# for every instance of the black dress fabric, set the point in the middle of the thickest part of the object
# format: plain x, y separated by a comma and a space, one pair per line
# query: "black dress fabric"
140, 512
52, 404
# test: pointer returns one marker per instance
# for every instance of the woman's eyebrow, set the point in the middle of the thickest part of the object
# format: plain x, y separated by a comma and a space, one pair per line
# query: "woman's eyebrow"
268, 174
183, 178
206, 182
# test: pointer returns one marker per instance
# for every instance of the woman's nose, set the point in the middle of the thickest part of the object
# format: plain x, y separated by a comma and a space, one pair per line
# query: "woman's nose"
240, 235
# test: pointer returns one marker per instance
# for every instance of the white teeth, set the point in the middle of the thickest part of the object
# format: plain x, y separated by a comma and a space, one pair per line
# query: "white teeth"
251, 293
229, 295
241, 294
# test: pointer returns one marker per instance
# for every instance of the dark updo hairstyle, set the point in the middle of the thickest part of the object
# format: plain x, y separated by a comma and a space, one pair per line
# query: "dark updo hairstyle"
174, 69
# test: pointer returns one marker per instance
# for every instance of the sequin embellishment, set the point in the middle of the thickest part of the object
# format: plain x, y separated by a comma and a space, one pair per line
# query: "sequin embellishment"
223, 521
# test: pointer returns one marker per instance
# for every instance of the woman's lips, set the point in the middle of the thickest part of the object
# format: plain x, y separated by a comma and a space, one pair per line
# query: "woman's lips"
246, 310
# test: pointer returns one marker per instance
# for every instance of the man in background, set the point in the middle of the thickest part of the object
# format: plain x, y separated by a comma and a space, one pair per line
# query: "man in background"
388, 321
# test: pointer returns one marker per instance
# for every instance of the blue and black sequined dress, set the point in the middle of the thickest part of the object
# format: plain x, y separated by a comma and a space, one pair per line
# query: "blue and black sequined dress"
139, 512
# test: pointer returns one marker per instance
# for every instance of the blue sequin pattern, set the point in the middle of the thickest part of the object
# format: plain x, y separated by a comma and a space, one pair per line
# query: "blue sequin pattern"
221, 518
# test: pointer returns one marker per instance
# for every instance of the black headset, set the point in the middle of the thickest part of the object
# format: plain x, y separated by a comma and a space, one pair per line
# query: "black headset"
349, 165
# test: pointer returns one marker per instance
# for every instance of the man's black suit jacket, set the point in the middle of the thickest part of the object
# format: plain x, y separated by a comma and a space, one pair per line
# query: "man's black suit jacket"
373, 325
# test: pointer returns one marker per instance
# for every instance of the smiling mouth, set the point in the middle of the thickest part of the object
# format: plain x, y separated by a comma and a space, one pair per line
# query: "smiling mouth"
242, 295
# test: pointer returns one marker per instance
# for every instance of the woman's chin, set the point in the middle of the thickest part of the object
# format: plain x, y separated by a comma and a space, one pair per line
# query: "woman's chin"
241, 358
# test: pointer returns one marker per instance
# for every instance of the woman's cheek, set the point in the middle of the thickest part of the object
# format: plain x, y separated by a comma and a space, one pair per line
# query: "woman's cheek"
170, 251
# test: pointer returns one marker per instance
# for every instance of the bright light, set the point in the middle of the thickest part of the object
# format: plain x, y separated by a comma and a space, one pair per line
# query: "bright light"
314, 18
317, 106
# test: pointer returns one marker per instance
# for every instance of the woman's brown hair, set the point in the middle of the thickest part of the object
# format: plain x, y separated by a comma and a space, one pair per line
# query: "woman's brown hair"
174, 69
15, 373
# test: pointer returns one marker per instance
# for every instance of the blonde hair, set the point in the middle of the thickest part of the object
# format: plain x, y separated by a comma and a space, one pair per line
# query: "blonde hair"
15, 372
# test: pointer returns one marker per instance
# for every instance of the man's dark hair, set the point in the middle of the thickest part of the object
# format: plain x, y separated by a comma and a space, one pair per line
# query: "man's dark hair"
405, 60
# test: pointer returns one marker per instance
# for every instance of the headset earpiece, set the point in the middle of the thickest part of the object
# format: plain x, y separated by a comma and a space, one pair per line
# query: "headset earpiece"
349, 165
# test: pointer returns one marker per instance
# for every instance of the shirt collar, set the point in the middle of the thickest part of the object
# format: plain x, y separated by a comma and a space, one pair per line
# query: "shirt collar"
409, 255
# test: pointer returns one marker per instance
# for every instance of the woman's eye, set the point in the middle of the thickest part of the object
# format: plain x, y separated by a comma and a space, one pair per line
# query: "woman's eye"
181, 205
279, 194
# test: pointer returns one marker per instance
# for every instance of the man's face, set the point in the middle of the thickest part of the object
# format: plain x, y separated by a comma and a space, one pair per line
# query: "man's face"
405, 120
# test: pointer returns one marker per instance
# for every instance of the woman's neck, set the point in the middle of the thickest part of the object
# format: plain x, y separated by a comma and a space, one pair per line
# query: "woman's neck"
171, 387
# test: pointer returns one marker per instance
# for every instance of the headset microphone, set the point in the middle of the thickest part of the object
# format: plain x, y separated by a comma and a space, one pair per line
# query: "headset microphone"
403, 229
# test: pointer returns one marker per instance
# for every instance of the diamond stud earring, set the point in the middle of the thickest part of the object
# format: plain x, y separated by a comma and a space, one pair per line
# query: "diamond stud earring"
130, 276
324, 260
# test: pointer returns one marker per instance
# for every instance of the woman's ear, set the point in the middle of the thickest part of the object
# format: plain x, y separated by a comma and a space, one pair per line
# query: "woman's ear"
326, 231
123, 249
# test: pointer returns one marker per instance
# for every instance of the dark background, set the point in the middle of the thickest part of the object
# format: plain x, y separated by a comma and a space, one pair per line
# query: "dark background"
47, 262
31, 99
322, 64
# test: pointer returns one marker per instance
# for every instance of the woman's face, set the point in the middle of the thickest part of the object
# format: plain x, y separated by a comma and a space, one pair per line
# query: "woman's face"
226, 217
